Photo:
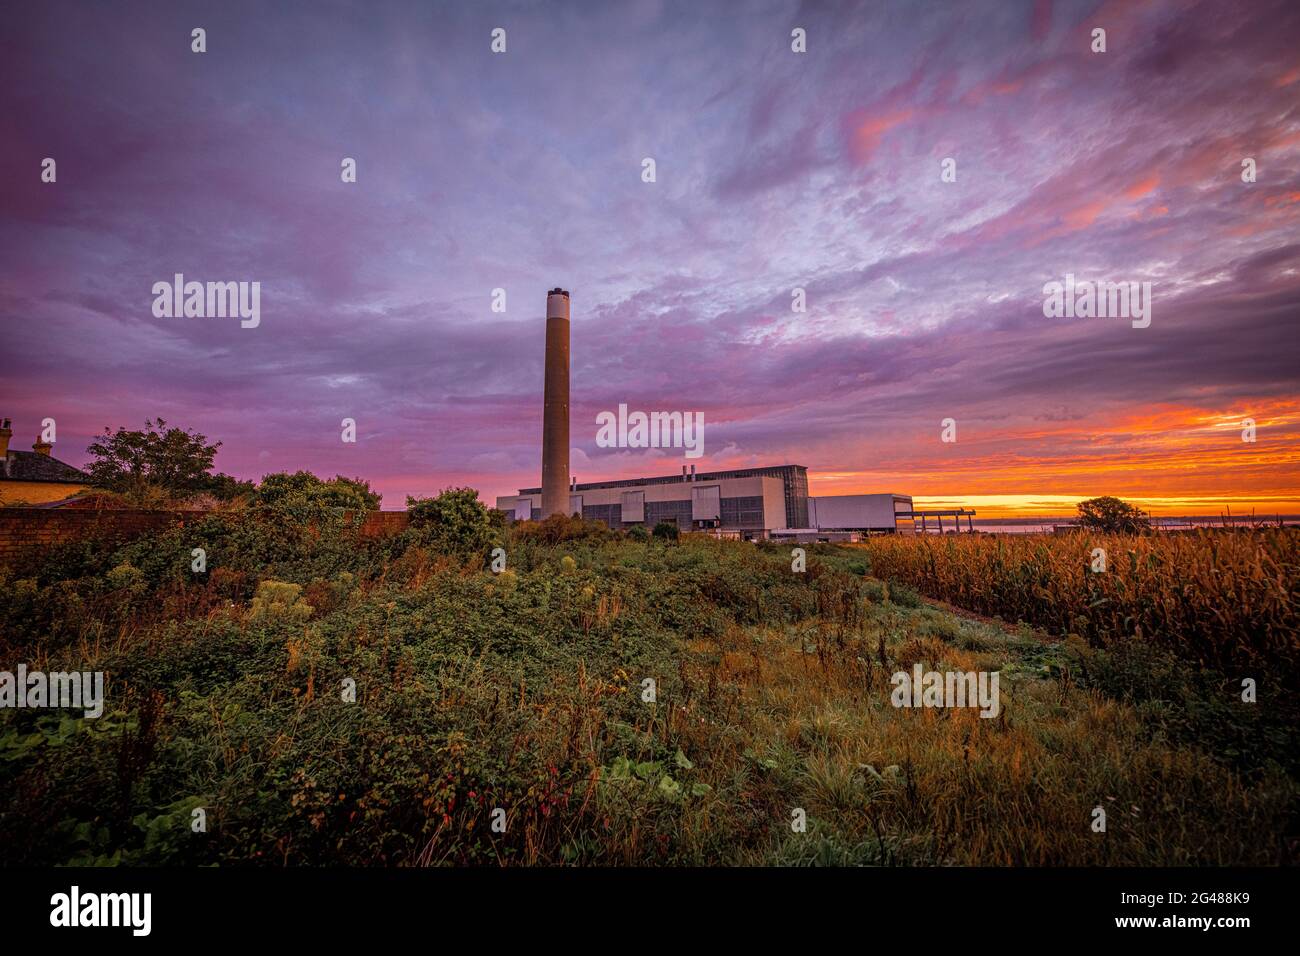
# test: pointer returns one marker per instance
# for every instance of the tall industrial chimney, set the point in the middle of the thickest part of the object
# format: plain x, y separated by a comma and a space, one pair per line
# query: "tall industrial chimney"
555, 411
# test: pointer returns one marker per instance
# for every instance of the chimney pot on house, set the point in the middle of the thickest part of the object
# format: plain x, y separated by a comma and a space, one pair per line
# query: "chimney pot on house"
6, 433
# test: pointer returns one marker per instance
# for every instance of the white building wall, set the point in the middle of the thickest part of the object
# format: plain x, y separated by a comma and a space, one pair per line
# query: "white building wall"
704, 496
856, 511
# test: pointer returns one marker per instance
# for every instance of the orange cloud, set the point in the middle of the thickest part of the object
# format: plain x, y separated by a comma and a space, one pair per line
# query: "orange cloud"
1174, 459
1081, 217
1142, 188
867, 135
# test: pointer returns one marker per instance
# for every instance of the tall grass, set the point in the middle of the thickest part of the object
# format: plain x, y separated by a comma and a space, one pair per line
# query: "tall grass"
1222, 599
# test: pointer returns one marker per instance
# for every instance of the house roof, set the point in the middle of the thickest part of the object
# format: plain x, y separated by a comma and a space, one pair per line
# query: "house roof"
31, 466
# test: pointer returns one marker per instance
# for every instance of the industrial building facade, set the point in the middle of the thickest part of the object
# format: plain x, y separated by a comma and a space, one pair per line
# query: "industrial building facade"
751, 502
754, 502
872, 514
793, 478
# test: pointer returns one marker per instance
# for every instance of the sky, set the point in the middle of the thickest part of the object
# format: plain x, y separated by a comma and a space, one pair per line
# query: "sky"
774, 171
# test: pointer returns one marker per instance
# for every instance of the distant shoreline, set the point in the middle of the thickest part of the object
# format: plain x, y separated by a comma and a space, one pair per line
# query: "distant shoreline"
1049, 525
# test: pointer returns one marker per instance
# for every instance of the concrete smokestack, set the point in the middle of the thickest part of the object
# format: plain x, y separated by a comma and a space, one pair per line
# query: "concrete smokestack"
555, 410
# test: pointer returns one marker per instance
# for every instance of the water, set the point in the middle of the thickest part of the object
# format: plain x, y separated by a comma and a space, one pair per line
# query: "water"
1049, 525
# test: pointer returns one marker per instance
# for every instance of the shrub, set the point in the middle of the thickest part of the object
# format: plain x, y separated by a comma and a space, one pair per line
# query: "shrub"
560, 528
666, 531
126, 577
455, 521
307, 498
279, 600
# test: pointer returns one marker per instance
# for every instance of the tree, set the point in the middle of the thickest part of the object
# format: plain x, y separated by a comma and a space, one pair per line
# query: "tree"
153, 464
1113, 516
454, 521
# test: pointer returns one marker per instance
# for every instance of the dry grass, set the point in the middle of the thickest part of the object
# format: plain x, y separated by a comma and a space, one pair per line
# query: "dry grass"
1018, 789
1218, 598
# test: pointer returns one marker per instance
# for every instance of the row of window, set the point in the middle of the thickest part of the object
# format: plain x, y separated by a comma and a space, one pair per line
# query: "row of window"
746, 513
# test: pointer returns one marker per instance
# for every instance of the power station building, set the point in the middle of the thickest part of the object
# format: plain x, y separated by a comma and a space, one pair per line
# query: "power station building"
751, 502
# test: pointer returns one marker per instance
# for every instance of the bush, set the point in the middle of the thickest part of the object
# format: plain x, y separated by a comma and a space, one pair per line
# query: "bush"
560, 528
666, 531
279, 600
455, 521
306, 497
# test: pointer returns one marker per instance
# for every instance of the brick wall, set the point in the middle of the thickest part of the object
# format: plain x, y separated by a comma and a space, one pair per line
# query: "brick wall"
379, 524
22, 528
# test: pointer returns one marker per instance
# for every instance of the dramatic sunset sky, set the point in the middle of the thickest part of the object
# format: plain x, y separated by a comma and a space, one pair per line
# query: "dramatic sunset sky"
775, 170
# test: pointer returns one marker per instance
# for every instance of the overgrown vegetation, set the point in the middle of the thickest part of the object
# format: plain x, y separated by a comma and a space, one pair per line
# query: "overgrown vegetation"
455, 522
306, 498
526, 691
1225, 600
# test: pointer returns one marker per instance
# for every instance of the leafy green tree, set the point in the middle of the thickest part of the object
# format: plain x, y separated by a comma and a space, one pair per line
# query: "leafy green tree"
1110, 515
455, 520
153, 464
